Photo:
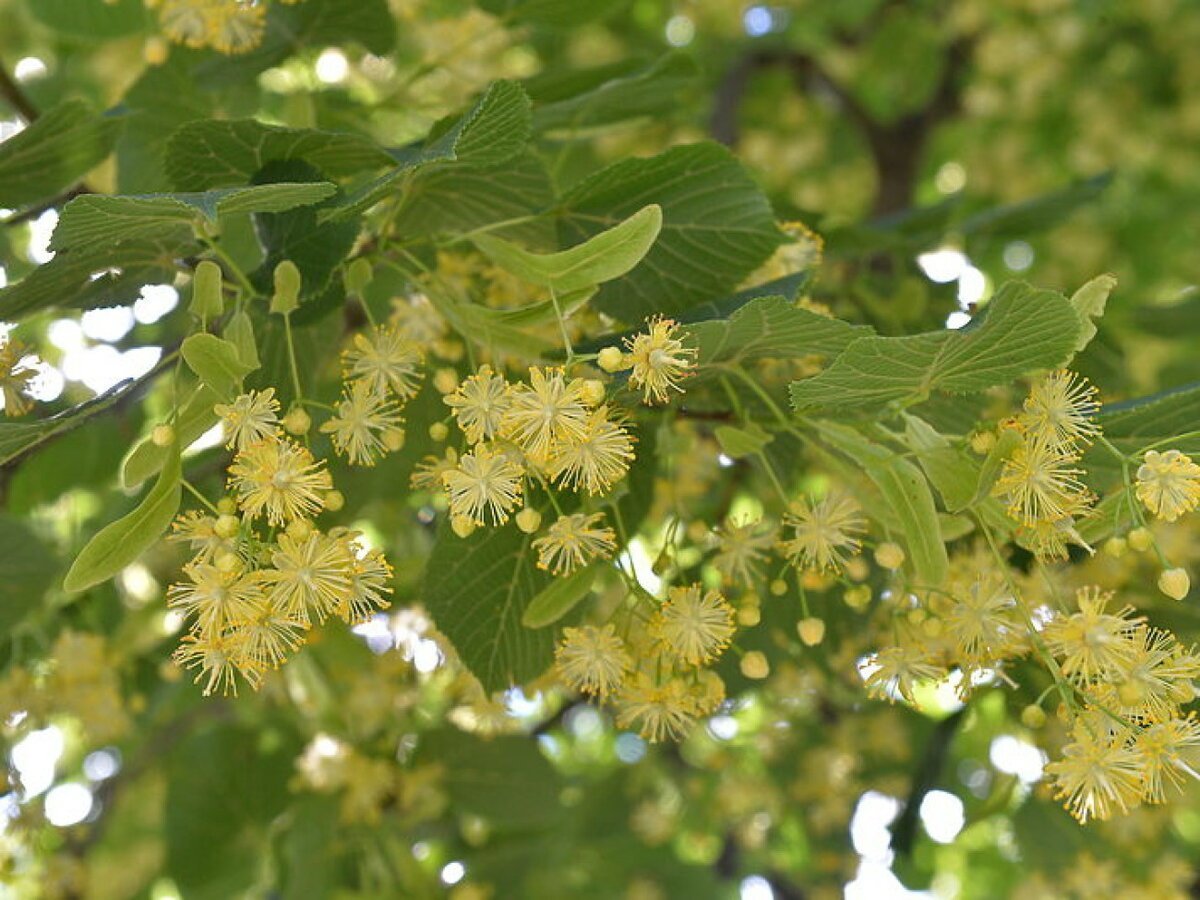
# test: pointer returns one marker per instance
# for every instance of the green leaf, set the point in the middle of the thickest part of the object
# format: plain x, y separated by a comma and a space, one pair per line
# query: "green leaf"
95, 218
195, 417
93, 21
949, 469
906, 493
608, 255
120, 543
653, 90
493, 131
1134, 424
1020, 220
559, 598
96, 275
54, 152
211, 153
216, 362
504, 780
1089, 302
749, 440
240, 332
477, 590
717, 227
770, 327
1022, 330
27, 569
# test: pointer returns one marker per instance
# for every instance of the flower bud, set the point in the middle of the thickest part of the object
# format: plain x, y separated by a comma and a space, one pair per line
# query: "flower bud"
445, 380
857, 597
1175, 583
297, 421
334, 500
1116, 547
1140, 539
439, 431
162, 435
393, 439
228, 562
227, 506
227, 526
755, 665
1033, 716
749, 616
778, 587
593, 392
300, 529
889, 555
611, 359
811, 631
529, 520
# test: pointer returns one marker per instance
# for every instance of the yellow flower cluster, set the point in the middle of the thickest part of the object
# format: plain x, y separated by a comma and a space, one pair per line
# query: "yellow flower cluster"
15, 377
251, 598
227, 26
1040, 481
656, 673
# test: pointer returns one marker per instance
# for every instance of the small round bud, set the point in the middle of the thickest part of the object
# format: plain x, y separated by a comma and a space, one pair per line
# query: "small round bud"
393, 439
162, 435
751, 599
1140, 539
811, 631
1033, 716
755, 665
593, 392
227, 506
778, 587
1130, 694
889, 555
228, 562
439, 431
334, 500
1175, 583
227, 526
611, 359
462, 526
1116, 547
529, 520
932, 627
857, 569
300, 529
445, 380
857, 597
916, 616
749, 616
297, 421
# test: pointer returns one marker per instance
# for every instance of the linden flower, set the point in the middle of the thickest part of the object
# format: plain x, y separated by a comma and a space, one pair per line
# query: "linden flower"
572, 542
595, 460
216, 598
370, 579
659, 361
219, 657
427, 474
741, 549
1050, 540
364, 420
592, 660
660, 712
823, 533
235, 27
1039, 483
251, 417
1093, 644
484, 481
692, 626
270, 635
981, 620
479, 404
198, 531
1061, 409
896, 671
1168, 753
279, 478
185, 21
547, 411
1097, 772
1155, 679
385, 360
311, 577
15, 377
1168, 484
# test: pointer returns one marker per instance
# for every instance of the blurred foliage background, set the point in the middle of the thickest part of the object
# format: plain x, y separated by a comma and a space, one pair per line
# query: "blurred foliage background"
936, 146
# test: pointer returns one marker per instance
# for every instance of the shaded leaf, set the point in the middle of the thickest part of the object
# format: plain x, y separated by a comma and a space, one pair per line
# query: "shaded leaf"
27, 570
